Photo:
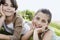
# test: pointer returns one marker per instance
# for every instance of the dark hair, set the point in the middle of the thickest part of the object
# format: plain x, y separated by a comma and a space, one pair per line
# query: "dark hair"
0, 2
45, 11
14, 3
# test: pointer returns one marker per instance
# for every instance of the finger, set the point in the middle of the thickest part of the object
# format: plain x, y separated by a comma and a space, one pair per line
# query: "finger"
44, 27
39, 30
33, 24
1, 11
31, 27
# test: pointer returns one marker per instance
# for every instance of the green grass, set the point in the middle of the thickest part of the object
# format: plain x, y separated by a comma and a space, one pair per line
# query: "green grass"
55, 25
57, 31
56, 28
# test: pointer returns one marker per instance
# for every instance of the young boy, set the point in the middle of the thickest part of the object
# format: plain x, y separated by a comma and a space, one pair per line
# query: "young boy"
10, 22
39, 27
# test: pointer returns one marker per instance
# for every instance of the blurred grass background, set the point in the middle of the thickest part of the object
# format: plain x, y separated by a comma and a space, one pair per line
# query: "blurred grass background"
28, 15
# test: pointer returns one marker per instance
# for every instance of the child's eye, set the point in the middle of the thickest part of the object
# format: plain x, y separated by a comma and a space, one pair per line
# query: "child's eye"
38, 18
6, 4
43, 21
12, 6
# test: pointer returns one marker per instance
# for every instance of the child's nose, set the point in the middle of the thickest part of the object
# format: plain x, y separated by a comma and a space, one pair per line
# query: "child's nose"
8, 7
39, 25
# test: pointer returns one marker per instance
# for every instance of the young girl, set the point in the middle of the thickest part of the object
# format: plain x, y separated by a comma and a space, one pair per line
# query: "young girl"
39, 27
10, 22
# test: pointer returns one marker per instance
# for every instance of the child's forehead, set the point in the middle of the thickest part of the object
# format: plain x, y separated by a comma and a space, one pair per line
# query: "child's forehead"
8, 2
43, 15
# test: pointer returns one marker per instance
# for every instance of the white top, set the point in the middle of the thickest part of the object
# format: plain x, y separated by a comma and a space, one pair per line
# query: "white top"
9, 28
26, 27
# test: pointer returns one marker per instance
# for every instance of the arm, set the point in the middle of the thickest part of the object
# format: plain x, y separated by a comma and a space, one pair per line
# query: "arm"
35, 35
4, 37
2, 17
27, 35
17, 30
48, 36
1, 22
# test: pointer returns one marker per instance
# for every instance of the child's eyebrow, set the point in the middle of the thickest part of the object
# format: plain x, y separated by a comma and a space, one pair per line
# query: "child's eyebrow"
6, 3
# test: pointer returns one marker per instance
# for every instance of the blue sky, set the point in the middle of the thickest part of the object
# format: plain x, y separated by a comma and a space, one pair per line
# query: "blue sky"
52, 5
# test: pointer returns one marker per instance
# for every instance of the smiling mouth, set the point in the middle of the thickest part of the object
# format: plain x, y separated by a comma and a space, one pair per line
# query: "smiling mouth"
38, 26
7, 11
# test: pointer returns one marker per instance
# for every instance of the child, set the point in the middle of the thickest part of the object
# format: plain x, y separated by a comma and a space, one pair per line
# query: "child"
10, 22
39, 26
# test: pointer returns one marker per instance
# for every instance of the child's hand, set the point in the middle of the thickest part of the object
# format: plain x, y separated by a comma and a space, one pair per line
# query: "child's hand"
32, 27
2, 15
40, 30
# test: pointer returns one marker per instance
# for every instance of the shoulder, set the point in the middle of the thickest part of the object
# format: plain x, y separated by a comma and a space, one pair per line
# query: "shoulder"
54, 36
49, 33
18, 20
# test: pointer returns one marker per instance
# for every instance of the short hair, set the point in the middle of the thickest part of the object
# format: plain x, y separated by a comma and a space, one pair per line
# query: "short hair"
0, 2
45, 11
14, 3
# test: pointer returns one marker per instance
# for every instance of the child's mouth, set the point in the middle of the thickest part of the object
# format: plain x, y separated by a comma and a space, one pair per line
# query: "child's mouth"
38, 26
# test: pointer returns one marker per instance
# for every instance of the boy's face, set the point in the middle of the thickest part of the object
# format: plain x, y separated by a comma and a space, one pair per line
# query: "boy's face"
8, 8
40, 20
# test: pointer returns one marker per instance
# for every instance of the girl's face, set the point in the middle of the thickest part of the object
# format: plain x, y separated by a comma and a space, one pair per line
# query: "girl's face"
8, 8
40, 20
